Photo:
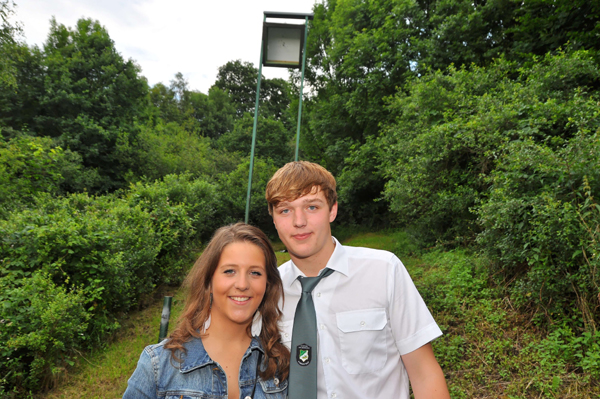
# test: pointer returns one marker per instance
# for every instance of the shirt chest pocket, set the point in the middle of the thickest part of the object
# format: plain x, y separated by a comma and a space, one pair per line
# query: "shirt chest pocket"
363, 340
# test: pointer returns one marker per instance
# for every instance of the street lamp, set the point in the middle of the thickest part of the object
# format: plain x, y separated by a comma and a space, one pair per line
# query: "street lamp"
283, 46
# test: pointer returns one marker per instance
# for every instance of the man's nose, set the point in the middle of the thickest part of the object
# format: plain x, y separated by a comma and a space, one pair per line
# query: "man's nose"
299, 219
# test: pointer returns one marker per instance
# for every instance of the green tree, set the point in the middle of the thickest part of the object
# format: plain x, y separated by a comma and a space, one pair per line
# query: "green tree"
272, 139
239, 80
81, 92
209, 115
218, 116
9, 34
163, 104
547, 25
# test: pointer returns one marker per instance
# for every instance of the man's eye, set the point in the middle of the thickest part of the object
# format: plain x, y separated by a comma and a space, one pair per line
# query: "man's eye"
284, 211
312, 207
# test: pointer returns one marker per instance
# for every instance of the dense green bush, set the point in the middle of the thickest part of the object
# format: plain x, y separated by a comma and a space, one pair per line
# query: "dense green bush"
451, 128
273, 140
183, 212
42, 327
31, 165
168, 148
539, 224
98, 243
69, 265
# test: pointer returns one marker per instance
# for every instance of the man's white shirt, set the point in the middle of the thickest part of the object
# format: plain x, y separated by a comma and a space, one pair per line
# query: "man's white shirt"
369, 313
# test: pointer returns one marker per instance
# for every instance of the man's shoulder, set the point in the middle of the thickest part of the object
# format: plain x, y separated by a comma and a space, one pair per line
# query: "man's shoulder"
369, 254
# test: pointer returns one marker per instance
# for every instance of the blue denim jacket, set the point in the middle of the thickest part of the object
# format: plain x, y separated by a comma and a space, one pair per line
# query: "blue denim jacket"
159, 376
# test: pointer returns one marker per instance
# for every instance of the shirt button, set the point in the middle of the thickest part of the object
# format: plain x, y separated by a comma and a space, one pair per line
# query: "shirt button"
318, 294
334, 395
287, 335
327, 360
362, 323
322, 326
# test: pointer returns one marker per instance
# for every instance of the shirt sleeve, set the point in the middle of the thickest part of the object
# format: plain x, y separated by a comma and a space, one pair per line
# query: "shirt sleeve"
142, 383
411, 322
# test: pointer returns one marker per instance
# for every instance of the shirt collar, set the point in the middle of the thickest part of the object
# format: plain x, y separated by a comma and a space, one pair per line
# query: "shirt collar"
337, 262
196, 356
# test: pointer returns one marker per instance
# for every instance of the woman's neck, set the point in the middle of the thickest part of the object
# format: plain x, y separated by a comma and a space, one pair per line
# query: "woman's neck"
228, 332
226, 344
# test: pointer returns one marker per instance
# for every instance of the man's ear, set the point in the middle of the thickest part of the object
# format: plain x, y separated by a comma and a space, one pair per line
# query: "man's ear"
333, 212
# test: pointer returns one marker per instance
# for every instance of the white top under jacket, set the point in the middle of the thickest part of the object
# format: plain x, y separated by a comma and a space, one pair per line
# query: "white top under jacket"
369, 313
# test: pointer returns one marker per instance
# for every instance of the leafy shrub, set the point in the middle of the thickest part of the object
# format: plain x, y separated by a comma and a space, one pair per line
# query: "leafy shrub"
42, 326
452, 127
170, 149
100, 244
539, 224
183, 212
28, 165
273, 139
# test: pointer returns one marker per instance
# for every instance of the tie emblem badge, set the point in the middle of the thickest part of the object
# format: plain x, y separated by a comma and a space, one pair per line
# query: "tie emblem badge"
303, 354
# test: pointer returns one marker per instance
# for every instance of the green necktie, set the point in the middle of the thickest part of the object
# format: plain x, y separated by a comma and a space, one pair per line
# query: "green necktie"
303, 366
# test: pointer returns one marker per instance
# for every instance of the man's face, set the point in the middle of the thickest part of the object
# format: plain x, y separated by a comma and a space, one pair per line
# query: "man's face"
303, 226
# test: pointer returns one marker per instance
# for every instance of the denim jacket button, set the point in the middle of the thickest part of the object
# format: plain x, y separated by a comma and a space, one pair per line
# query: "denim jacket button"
247, 397
276, 381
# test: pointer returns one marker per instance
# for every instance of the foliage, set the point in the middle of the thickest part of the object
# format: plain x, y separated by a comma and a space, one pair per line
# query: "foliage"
81, 92
168, 148
547, 25
9, 34
209, 115
239, 79
43, 326
451, 128
28, 166
183, 212
96, 251
539, 224
93, 257
272, 139
489, 349
233, 192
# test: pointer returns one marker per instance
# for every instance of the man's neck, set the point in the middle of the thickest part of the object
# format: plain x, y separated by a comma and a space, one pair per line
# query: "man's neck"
312, 266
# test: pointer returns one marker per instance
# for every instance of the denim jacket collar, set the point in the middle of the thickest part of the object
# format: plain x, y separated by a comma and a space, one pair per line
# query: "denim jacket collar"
198, 357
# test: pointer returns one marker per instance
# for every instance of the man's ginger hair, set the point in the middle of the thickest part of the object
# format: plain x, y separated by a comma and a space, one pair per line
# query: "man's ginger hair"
296, 179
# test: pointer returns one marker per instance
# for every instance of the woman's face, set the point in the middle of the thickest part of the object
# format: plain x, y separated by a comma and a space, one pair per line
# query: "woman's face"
239, 284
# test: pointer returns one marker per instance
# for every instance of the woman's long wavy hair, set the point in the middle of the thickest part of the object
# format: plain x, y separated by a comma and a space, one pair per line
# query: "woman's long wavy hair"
197, 306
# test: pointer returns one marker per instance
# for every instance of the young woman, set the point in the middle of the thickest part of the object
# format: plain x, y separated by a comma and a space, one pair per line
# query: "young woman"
226, 344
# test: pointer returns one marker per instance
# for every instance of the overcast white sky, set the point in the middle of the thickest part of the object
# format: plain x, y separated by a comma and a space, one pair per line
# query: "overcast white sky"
166, 37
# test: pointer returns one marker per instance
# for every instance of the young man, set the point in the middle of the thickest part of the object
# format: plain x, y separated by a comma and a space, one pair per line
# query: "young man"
374, 330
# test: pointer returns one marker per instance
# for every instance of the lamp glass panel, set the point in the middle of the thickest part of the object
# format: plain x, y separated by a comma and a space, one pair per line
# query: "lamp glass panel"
283, 46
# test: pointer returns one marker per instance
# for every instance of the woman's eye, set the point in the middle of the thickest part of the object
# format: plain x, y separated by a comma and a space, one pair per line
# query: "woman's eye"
228, 271
255, 273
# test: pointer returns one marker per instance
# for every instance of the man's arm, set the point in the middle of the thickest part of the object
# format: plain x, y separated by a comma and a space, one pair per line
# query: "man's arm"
425, 374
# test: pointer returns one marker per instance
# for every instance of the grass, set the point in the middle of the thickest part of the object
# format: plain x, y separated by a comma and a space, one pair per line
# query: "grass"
489, 349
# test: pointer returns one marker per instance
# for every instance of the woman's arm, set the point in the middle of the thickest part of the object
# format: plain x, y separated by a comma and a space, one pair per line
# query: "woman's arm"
142, 383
